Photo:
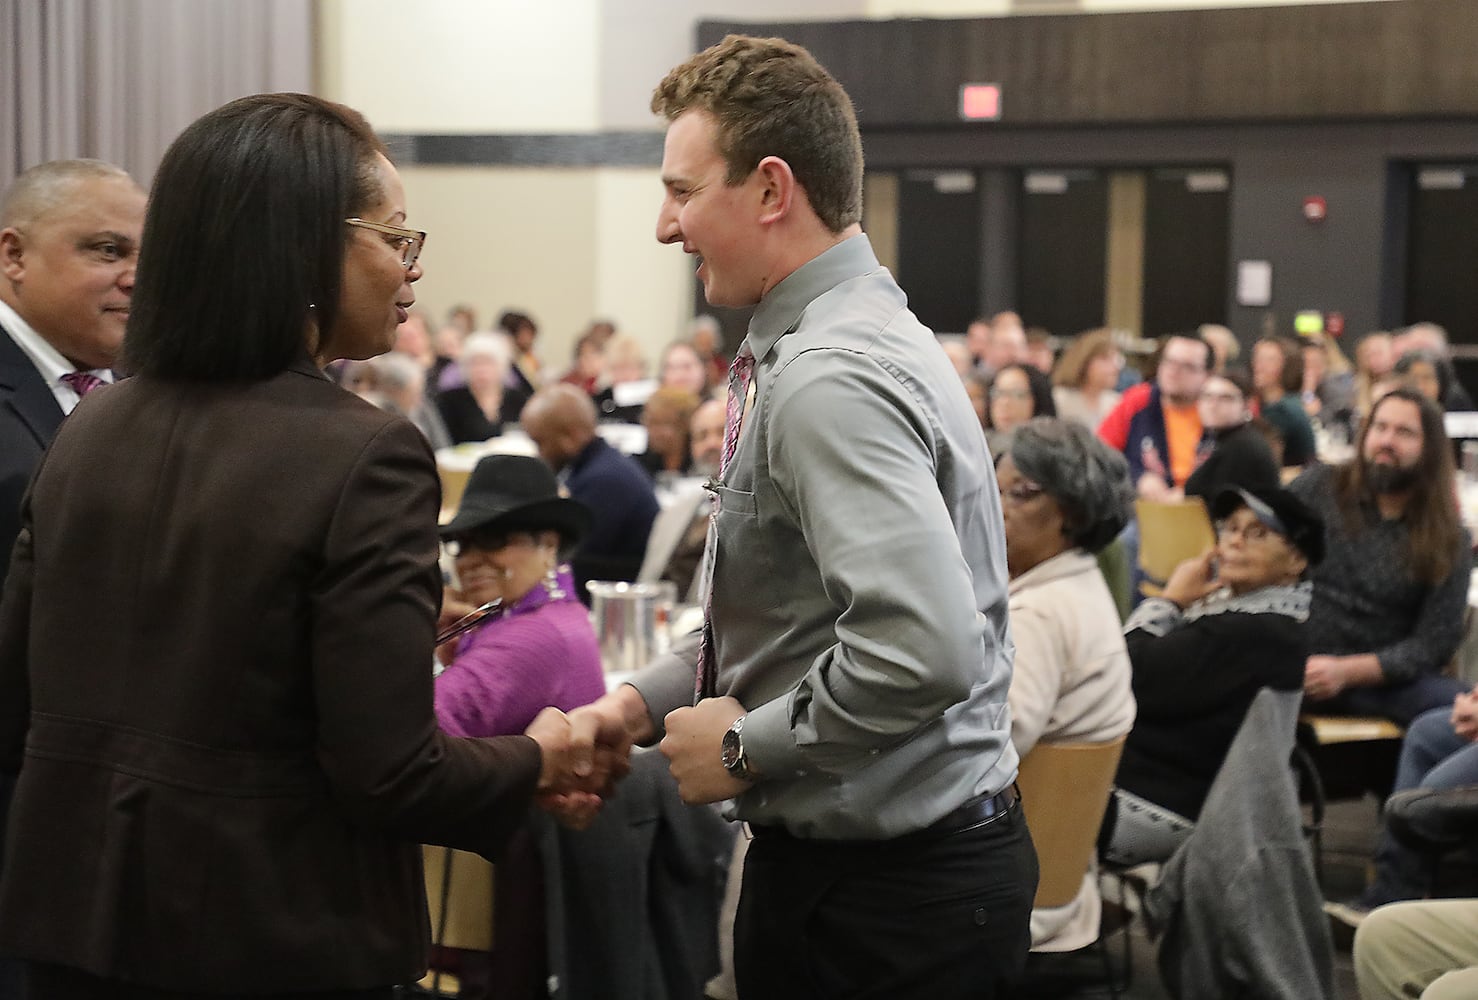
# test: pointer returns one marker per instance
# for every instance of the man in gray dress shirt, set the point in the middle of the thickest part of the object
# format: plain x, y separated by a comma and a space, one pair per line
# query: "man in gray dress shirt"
858, 652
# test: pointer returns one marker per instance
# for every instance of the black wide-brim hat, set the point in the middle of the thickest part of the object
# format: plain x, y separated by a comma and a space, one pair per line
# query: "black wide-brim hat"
517, 493
1282, 512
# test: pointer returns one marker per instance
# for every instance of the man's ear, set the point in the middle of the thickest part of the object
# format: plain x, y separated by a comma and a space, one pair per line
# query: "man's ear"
778, 189
12, 254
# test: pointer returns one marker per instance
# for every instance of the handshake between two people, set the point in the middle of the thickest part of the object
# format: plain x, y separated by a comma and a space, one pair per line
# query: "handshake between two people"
587, 751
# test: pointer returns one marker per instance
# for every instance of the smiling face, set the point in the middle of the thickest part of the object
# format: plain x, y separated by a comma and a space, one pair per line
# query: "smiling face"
69, 272
375, 296
715, 222
683, 369
504, 565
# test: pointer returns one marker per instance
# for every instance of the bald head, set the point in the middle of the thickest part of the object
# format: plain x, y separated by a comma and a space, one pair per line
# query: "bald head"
561, 420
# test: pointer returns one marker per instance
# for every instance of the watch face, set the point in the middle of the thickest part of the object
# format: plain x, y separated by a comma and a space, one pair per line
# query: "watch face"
732, 749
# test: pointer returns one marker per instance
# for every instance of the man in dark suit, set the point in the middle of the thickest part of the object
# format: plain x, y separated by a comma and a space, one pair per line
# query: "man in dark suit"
69, 243
561, 420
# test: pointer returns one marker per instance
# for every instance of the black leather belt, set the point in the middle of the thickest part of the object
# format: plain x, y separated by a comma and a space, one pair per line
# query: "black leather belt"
978, 811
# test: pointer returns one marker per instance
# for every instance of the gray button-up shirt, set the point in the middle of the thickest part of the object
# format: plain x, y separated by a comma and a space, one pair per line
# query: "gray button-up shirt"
859, 582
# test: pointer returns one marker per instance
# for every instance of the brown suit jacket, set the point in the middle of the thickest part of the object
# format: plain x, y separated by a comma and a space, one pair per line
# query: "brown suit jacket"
215, 684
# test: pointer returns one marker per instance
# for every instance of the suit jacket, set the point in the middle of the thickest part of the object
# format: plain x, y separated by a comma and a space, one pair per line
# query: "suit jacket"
29, 417
215, 684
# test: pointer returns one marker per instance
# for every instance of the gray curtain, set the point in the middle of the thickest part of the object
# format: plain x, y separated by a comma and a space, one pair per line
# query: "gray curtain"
118, 79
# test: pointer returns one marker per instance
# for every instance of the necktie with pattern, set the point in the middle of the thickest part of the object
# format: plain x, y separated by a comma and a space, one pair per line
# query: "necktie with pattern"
82, 382
740, 372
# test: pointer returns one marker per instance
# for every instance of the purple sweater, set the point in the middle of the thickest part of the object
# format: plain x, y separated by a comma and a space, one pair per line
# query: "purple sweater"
542, 652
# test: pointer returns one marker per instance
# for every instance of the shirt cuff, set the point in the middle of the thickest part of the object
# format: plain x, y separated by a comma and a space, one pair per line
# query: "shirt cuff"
665, 684
769, 741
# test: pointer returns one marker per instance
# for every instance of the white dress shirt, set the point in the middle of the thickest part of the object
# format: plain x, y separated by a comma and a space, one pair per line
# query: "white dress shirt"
47, 359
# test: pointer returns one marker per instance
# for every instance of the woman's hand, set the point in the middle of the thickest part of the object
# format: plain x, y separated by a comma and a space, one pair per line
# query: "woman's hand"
1192, 580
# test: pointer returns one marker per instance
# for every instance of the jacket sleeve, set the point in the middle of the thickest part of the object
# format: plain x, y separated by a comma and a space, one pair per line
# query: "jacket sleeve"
1438, 629
1036, 679
374, 617
1199, 666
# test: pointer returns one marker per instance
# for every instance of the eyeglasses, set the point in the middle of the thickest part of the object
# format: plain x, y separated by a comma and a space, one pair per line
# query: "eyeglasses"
1021, 493
1190, 367
408, 241
486, 541
1017, 394
1221, 397
1253, 531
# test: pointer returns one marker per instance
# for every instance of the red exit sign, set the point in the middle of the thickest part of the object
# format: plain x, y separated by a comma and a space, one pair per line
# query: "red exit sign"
980, 102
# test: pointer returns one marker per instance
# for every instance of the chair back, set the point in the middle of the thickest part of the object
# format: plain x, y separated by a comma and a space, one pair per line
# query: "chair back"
1064, 791
1171, 533
453, 483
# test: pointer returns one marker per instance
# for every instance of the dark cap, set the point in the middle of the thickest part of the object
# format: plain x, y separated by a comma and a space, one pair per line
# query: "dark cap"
1279, 510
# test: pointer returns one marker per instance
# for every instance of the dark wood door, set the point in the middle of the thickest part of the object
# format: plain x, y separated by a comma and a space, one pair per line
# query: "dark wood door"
939, 246
1186, 241
1442, 249
1061, 249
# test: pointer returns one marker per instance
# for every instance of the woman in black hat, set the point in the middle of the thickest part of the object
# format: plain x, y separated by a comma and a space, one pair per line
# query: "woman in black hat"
539, 649
1229, 623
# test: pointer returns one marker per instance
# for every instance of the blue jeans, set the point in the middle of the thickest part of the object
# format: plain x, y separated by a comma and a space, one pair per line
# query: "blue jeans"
1432, 756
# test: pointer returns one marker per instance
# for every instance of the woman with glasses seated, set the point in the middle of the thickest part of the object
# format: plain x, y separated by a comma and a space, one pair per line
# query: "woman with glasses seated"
1064, 496
533, 649
1228, 624
1016, 393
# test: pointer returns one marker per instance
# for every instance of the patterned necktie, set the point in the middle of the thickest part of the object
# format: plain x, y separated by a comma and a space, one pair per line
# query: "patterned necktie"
82, 382
740, 373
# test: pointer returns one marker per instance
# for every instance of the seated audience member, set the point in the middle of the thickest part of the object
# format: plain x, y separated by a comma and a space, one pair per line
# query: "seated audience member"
1390, 598
1328, 384
977, 342
448, 344
1432, 338
509, 534
1017, 393
1157, 426
666, 418
959, 356
561, 420
537, 650
1236, 452
682, 368
1373, 362
707, 337
402, 389
1007, 345
413, 339
1040, 353
977, 387
1426, 950
589, 360
627, 385
480, 409
1225, 348
1425, 372
1277, 380
1229, 623
1064, 496
706, 437
360, 378
602, 330
526, 371
1085, 377
1439, 751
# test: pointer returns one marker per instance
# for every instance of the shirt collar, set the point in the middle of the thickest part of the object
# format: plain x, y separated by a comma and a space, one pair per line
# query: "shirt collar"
47, 359
780, 311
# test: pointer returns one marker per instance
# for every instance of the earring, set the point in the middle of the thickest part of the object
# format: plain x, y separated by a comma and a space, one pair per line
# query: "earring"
551, 583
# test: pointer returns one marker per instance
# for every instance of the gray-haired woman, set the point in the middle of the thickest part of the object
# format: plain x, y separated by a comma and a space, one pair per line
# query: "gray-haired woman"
1064, 496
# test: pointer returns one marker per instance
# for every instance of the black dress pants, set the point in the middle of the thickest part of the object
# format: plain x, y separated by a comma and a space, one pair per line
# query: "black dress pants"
931, 914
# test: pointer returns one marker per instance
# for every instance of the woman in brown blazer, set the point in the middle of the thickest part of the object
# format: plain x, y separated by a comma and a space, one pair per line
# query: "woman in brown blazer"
216, 635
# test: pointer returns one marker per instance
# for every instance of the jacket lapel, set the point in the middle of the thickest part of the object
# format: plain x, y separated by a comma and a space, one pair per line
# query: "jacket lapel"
24, 393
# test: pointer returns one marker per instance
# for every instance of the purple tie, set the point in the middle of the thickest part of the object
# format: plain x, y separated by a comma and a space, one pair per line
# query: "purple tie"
82, 382
739, 375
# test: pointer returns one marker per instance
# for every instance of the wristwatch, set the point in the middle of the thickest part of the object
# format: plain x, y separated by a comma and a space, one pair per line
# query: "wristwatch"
735, 762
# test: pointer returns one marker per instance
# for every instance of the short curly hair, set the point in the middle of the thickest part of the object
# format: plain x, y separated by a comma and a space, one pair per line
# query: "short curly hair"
1087, 478
770, 97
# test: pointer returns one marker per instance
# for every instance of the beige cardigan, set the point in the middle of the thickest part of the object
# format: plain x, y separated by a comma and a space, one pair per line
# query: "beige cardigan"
1071, 684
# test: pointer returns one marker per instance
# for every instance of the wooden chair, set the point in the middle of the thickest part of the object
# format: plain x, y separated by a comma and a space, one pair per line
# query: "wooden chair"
1064, 791
1169, 534
453, 482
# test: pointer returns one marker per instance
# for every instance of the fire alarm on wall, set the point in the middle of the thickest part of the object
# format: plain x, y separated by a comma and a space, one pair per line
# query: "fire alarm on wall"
1315, 208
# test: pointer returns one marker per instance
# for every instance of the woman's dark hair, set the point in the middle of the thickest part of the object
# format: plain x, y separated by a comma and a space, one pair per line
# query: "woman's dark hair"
244, 237
1088, 480
1291, 379
1039, 384
1238, 377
